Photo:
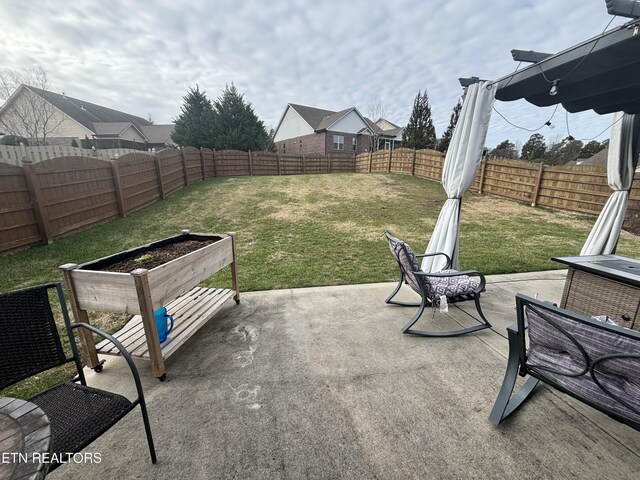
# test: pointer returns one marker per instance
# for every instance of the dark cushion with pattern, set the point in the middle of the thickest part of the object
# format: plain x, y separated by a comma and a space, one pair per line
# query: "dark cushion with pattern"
407, 258
451, 287
552, 345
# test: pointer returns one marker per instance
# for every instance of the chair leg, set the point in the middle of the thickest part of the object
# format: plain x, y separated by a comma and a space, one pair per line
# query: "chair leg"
506, 403
147, 428
448, 333
395, 291
479, 309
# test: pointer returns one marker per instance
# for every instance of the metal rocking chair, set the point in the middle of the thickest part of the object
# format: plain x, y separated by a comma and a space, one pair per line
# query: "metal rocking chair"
456, 286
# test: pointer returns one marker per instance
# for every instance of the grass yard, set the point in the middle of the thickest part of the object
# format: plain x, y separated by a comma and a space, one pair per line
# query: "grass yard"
311, 230
298, 231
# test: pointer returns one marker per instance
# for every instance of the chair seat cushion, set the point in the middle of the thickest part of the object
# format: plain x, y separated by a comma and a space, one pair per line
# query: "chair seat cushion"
451, 287
79, 414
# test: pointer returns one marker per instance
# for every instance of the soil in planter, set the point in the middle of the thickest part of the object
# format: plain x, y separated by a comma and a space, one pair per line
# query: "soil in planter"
157, 256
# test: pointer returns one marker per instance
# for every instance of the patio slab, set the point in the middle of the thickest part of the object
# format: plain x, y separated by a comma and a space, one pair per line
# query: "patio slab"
320, 383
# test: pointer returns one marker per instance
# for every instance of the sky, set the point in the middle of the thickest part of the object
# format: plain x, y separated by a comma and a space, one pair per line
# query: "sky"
142, 56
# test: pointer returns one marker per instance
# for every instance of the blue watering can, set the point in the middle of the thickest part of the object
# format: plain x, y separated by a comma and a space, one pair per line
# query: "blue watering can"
164, 323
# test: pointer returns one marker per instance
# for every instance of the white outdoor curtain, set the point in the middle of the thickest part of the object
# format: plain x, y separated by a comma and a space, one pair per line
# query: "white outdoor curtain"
604, 234
460, 167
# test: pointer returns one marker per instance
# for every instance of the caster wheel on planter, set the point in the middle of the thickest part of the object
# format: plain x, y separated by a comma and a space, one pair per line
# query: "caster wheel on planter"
97, 368
162, 377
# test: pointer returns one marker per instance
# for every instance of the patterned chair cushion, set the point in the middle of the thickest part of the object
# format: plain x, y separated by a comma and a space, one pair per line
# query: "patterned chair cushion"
407, 258
551, 348
451, 287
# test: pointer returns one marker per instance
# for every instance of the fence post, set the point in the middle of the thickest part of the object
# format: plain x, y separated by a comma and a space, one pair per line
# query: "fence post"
389, 165
31, 179
536, 189
215, 168
370, 159
159, 174
483, 168
278, 160
304, 168
328, 163
250, 164
202, 164
354, 163
413, 164
184, 167
115, 172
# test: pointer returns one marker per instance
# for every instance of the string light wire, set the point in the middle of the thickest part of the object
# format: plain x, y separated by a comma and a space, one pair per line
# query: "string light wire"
547, 123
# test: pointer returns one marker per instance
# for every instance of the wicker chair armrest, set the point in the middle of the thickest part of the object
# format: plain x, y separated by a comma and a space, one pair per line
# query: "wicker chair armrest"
469, 273
123, 352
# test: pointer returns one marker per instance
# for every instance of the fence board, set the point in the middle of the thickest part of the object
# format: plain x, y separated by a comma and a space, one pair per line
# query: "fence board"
429, 164
264, 163
14, 155
172, 170
232, 163
18, 225
76, 193
139, 181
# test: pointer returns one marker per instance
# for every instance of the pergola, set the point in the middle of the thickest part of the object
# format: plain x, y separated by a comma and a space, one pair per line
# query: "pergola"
600, 74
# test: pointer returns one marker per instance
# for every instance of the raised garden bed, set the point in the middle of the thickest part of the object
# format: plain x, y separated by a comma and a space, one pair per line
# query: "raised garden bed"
174, 266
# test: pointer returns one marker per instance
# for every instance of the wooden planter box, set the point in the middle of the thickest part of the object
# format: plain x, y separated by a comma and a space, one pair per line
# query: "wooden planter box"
142, 291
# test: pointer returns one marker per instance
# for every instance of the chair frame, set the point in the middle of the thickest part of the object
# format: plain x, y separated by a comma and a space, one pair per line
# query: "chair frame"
80, 377
426, 302
508, 401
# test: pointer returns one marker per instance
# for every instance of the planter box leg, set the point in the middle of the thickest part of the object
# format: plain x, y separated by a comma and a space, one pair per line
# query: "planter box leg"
80, 316
234, 269
148, 322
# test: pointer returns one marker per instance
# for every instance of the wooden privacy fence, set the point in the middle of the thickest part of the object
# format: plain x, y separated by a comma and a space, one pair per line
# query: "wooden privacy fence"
52, 198
49, 199
14, 155
580, 189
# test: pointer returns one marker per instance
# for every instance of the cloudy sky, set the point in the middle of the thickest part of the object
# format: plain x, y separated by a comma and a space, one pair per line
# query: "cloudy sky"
142, 56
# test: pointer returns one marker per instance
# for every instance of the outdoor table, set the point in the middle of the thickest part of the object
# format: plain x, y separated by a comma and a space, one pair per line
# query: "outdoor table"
25, 439
603, 285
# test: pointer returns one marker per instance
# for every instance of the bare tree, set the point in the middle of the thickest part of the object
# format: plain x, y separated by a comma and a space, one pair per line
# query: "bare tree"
377, 109
27, 114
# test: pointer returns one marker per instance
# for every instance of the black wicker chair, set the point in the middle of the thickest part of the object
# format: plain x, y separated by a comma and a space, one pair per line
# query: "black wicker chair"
30, 342
456, 286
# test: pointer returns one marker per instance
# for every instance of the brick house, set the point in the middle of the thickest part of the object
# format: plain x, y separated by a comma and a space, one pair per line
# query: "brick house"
308, 130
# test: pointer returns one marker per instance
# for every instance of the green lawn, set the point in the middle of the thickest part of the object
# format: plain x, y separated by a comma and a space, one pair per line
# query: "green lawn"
299, 231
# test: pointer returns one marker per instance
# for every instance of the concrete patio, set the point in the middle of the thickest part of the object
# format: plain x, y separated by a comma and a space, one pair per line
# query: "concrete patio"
320, 383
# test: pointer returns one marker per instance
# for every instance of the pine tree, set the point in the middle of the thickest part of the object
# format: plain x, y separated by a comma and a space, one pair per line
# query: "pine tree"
420, 132
194, 126
443, 144
235, 124
534, 148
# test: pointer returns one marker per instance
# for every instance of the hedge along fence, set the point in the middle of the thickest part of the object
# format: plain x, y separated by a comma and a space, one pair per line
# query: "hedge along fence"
580, 189
42, 201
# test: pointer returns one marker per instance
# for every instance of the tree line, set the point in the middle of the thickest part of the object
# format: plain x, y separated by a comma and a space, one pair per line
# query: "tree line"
420, 133
554, 152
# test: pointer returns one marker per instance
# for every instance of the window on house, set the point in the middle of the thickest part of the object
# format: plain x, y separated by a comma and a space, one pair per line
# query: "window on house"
284, 148
354, 144
338, 142
387, 145
300, 144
